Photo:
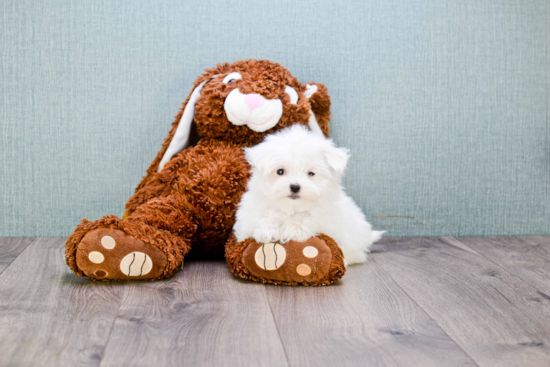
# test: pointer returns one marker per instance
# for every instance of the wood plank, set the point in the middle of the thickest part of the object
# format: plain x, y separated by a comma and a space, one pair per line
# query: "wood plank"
363, 320
526, 257
203, 316
10, 248
493, 315
49, 316
542, 241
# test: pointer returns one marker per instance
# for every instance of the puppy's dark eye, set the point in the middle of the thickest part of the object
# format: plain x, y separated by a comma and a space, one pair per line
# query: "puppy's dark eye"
311, 174
231, 80
280, 172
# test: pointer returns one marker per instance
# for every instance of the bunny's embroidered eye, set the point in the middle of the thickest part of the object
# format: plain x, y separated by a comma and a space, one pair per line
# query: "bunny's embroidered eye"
292, 94
232, 77
280, 172
311, 174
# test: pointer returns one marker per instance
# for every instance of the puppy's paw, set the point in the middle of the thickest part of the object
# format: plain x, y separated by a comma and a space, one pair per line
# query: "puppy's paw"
294, 232
265, 235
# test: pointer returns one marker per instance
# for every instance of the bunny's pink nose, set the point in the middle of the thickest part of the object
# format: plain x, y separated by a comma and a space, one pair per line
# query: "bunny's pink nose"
254, 101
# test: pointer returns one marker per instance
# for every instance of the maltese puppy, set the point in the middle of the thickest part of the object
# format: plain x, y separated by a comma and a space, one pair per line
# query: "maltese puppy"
295, 193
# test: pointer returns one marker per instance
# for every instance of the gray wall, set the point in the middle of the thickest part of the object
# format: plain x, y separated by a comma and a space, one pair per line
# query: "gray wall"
444, 104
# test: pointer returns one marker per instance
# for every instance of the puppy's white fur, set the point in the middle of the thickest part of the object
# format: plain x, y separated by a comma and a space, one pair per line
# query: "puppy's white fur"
269, 211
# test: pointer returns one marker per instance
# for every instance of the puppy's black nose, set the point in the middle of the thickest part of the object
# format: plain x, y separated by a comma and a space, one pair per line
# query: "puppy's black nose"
294, 188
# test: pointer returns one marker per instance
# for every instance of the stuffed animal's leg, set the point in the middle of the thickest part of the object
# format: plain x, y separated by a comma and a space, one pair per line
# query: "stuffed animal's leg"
158, 184
317, 261
150, 244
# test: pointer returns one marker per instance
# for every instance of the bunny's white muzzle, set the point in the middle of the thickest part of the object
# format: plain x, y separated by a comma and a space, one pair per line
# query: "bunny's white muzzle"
252, 110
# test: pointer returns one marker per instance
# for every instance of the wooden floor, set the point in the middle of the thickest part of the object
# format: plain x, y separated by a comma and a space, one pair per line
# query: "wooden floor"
479, 301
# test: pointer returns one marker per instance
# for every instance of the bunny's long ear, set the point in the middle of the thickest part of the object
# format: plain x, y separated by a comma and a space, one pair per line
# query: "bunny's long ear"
180, 139
320, 107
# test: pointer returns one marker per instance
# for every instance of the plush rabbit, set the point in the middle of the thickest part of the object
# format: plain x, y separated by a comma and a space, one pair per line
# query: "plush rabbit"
186, 203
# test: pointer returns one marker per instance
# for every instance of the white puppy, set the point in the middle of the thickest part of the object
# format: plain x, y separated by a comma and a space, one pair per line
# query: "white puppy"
295, 193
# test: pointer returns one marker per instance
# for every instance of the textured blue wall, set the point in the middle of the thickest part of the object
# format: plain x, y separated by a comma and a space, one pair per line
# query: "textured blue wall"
444, 104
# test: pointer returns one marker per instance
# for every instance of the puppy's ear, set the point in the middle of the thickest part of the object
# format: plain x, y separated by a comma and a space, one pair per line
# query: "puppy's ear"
337, 159
257, 156
320, 107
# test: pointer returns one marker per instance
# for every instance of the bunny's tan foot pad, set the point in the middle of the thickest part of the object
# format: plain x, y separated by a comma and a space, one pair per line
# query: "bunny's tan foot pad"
110, 254
317, 261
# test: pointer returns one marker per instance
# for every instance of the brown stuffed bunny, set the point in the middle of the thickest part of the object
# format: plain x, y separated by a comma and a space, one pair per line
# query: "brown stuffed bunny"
190, 194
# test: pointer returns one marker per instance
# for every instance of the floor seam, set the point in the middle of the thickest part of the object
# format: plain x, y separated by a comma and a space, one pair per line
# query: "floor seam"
423, 310
33, 240
111, 331
276, 326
